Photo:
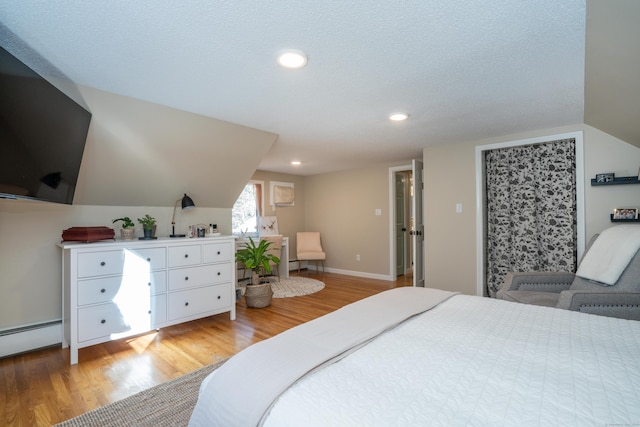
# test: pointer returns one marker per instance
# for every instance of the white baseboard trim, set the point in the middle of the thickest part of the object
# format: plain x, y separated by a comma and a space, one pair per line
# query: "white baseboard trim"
30, 337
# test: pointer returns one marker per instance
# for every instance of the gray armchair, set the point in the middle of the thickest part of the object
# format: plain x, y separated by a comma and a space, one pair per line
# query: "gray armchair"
571, 292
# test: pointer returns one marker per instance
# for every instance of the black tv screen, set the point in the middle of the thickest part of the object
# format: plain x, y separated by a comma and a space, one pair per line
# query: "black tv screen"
42, 135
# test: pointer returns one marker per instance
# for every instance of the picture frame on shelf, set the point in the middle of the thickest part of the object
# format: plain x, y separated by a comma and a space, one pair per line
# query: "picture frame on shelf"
605, 177
625, 213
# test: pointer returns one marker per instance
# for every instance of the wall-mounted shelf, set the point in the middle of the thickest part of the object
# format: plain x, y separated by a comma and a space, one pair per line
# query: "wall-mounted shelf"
618, 181
623, 220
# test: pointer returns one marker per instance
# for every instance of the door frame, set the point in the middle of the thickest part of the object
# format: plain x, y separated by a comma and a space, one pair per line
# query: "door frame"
480, 203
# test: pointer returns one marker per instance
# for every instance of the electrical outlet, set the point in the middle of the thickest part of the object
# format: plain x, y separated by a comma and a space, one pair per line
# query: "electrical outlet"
358, 257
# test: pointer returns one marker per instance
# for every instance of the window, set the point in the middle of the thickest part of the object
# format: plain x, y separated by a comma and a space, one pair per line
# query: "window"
247, 209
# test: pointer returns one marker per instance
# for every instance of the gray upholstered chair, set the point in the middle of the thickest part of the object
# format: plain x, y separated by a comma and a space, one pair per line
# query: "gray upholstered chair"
571, 292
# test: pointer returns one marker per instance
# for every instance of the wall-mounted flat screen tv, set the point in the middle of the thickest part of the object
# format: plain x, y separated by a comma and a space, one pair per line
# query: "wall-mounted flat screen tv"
42, 135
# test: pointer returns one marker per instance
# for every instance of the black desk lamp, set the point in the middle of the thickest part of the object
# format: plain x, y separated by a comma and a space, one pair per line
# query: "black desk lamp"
187, 204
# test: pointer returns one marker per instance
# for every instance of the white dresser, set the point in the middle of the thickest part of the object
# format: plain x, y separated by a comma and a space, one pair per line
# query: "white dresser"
116, 289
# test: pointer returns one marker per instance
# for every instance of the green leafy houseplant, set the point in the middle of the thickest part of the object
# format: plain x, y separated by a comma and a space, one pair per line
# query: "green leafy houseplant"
126, 222
255, 258
127, 231
147, 222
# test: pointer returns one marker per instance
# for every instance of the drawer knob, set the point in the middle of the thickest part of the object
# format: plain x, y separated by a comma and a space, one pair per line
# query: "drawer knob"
103, 321
218, 273
103, 263
186, 304
219, 297
218, 252
186, 255
149, 283
149, 259
103, 290
149, 311
186, 278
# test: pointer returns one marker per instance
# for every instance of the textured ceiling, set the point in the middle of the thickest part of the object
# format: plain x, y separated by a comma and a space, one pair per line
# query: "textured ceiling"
462, 69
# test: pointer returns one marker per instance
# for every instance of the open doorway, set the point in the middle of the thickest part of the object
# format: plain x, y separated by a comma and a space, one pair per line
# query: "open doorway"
403, 222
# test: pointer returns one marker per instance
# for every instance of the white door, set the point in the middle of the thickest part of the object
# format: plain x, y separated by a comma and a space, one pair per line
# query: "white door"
417, 231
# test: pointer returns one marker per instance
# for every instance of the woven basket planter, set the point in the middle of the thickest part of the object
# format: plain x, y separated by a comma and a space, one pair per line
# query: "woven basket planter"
258, 296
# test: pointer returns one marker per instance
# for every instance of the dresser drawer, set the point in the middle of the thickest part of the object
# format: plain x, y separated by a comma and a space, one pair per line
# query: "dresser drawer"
182, 256
91, 264
157, 257
93, 291
196, 301
183, 278
158, 310
158, 282
216, 252
102, 321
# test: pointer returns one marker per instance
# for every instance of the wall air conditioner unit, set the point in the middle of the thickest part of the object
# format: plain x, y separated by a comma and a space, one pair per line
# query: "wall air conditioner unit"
282, 194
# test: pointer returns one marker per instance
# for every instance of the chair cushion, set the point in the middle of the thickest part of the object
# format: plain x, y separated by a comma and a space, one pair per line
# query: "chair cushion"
629, 280
312, 256
547, 299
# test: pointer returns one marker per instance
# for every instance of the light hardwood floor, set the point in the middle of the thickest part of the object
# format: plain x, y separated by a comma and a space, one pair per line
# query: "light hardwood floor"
40, 388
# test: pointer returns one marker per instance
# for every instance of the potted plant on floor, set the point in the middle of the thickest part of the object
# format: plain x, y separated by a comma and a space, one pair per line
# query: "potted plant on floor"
256, 258
148, 226
128, 229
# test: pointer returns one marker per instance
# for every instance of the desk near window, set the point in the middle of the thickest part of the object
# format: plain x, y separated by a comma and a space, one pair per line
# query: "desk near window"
283, 268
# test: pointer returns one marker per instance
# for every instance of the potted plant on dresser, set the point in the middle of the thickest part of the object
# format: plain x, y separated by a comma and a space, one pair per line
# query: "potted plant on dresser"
256, 258
128, 230
148, 227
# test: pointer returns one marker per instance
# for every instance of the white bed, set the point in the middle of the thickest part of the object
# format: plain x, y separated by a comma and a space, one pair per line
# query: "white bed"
463, 360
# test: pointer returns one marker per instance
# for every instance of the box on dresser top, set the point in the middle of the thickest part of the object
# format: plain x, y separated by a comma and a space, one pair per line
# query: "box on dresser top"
116, 289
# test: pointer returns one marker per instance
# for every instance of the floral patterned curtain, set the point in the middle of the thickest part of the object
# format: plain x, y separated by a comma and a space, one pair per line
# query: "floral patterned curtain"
531, 210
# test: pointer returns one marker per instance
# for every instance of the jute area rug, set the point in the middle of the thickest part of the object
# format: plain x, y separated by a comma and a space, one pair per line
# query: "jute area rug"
166, 405
293, 286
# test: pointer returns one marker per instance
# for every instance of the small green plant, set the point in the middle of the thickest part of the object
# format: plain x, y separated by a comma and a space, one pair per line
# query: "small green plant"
147, 222
255, 258
126, 222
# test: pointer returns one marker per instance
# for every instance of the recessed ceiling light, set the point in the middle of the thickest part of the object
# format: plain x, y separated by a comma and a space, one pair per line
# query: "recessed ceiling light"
398, 117
296, 162
292, 59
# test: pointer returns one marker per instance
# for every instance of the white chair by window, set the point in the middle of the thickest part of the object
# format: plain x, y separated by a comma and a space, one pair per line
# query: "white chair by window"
309, 248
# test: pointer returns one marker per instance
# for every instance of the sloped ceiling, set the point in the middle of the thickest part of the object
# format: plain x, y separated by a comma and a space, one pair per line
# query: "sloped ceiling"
144, 154
463, 70
612, 78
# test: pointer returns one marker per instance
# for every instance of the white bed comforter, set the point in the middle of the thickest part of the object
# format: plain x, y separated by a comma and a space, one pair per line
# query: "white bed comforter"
476, 361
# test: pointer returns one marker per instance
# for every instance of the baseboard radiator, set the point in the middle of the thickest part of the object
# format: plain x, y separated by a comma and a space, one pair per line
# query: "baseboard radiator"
30, 337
